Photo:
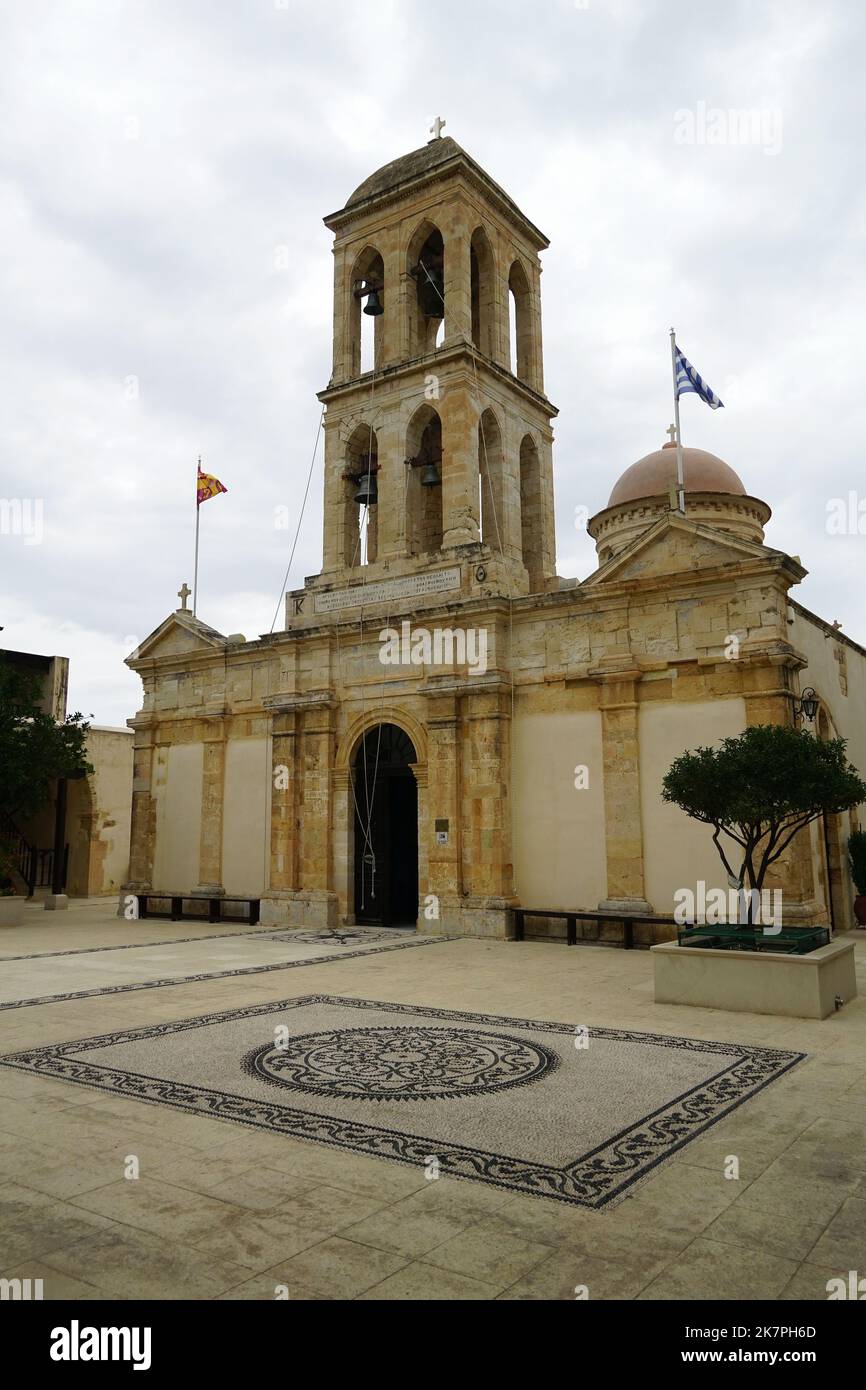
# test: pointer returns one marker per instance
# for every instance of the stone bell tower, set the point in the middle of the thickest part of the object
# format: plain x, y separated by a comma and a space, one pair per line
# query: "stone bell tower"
437, 428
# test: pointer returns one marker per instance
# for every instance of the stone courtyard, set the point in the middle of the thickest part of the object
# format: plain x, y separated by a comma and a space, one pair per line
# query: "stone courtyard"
220, 1210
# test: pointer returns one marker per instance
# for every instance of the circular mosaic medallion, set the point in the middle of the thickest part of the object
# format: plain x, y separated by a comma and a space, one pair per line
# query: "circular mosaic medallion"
411, 1063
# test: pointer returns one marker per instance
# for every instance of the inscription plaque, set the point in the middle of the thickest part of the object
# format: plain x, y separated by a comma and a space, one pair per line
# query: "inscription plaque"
382, 590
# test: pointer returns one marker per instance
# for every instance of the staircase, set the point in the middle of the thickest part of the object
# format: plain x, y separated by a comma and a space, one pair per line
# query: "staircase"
33, 867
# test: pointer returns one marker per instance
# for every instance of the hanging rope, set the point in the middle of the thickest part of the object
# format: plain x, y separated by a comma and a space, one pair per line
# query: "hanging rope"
281, 599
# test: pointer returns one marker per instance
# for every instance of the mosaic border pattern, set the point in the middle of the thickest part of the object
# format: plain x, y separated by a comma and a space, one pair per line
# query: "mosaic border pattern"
593, 1179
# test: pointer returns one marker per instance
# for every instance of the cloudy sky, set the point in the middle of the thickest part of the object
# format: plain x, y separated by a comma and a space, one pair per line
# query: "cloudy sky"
161, 164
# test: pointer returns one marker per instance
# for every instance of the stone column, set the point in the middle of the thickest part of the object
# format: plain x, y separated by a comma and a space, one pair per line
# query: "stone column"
486, 809
316, 898
334, 520
536, 374
622, 809
547, 538
393, 297
143, 821
767, 694
456, 234
444, 873
391, 482
342, 306
284, 814
343, 843
419, 772
212, 784
460, 514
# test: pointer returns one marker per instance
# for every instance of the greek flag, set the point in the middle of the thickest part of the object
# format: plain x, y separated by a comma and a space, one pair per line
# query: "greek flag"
689, 380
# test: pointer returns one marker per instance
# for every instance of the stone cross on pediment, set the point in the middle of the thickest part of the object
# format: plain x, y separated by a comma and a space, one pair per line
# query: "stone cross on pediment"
183, 594
437, 127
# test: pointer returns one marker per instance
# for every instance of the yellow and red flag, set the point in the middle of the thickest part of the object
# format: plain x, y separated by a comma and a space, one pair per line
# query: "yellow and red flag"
207, 486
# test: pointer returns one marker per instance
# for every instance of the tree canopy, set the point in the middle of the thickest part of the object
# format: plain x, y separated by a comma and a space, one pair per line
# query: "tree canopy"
34, 748
760, 789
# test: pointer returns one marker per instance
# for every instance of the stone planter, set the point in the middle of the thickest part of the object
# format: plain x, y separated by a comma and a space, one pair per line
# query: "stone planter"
756, 982
12, 911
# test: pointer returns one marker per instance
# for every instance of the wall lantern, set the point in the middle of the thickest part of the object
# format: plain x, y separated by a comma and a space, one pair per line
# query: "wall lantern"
807, 706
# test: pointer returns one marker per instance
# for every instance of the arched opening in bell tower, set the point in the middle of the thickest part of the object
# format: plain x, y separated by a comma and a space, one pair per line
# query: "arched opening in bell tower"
360, 498
424, 482
365, 326
385, 801
426, 266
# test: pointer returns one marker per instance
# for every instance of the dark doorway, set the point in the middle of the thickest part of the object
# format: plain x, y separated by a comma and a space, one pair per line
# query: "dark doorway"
386, 829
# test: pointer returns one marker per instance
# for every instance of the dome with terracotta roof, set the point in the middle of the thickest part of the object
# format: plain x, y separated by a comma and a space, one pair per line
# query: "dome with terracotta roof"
715, 496
652, 475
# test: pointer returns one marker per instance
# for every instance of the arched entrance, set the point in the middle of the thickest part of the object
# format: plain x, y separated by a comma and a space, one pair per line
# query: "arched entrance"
386, 828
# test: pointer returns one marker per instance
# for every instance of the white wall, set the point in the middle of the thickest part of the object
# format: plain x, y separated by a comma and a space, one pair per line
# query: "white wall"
177, 790
679, 851
558, 831
246, 850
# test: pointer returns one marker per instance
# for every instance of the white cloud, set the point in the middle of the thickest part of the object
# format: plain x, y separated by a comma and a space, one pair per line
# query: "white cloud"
154, 156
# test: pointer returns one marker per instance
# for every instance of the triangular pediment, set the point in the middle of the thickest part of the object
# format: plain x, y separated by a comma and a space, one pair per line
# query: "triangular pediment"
180, 634
676, 545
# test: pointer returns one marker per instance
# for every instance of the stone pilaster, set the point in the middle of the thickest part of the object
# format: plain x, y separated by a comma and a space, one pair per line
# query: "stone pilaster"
143, 823
284, 795
419, 772
487, 866
457, 234
314, 814
460, 513
769, 701
212, 785
343, 844
622, 803
444, 875
391, 509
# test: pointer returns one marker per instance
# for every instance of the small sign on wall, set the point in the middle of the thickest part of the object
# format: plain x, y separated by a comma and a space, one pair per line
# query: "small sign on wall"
441, 827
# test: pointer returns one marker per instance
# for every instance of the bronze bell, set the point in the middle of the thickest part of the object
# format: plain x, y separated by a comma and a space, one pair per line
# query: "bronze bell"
430, 476
374, 304
433, 294
367, 493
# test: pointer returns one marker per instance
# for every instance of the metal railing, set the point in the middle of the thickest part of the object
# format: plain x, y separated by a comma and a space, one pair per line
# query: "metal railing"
35, 866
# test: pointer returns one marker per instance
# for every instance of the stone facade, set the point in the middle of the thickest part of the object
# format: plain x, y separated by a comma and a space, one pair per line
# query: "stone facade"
535, 770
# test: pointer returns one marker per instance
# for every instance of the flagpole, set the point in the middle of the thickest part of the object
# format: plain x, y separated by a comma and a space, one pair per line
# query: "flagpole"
197, 515
681, 486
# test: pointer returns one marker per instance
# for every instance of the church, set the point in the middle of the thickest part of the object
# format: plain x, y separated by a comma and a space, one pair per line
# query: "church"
445, 729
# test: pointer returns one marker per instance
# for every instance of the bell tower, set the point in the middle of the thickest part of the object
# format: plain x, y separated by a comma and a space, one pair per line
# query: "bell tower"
438, 439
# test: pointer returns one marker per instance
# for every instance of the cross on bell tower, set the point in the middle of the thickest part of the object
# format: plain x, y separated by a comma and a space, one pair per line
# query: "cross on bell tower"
437, 389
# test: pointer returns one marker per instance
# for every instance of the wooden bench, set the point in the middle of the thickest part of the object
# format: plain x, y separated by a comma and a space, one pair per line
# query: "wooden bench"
571, 920
216, 908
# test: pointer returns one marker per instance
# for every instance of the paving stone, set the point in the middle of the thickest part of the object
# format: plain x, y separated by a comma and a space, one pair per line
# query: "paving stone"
709, 1269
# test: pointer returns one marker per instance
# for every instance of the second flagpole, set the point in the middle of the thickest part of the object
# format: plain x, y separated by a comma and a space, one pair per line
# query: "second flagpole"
197, 515
681, 485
